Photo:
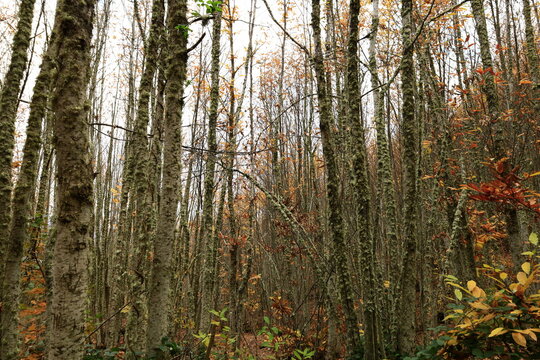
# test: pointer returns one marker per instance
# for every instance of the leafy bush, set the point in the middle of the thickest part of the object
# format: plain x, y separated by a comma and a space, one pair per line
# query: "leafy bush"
501, 322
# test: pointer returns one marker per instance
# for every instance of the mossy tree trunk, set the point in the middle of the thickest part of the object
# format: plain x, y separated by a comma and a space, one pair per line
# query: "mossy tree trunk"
159, 295
497, 143
9, 101
373, 344
407, 327
23, 206
326, 124
207, 234
142, 188
74, 180
532, 55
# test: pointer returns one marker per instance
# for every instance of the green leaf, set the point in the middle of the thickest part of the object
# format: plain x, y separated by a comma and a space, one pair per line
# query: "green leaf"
459, 294
478, 353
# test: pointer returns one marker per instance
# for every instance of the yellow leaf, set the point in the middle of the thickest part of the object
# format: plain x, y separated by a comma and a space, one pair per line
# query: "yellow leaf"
452, 341
531, 334
466, 323
458, 293
522, 278
126, 309
519, 339
487, 317
456, 285
477, 292
533, 238
526, 267
503, 275
479, 305
497, 331
450, 316
471, 284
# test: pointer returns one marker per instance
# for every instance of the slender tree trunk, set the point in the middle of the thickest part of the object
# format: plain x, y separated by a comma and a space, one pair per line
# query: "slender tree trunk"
407, 328
532, 55
207, 235
74, 174
22, 207
489, 87
373, 344
9, 101
332, 185
142, 188
159, 295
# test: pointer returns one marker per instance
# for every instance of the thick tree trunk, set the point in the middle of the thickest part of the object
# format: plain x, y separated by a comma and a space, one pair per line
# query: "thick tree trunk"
74, 176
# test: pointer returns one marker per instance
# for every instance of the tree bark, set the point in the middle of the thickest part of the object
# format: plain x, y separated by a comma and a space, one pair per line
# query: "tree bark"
326, 124
207, 234
74, 180
407, 327
159, 296
9, 101
373, 342
22, 206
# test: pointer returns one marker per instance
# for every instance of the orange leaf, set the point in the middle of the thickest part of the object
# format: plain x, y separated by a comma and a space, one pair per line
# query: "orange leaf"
519, 339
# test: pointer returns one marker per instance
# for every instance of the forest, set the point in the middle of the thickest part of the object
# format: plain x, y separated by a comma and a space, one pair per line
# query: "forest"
269, 179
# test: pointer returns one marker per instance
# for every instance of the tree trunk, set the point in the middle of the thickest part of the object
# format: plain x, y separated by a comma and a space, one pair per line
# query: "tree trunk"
332, 185
159, 296
142, 188
9, 101
407, 328
207, 234
74, 176
373, 344
22, 206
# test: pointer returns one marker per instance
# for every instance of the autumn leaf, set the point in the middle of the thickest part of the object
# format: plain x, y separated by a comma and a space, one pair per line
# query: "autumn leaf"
479, 305
522, 278
519, 339
497, 331
533, 239
471, 285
